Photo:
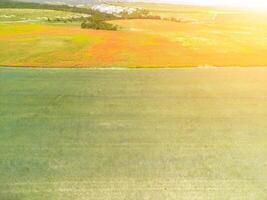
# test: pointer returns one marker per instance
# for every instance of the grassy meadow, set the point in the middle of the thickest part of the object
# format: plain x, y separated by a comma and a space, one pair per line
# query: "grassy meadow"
162, 134
202, 36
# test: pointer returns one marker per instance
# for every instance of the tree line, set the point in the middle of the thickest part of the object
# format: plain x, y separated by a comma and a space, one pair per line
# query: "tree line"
95, 20
57, 7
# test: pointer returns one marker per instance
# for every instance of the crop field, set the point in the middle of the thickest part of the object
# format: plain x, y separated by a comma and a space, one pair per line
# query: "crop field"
198, 44
71, 46
33, 15
161, 134
203, 36
201, 14
191, 13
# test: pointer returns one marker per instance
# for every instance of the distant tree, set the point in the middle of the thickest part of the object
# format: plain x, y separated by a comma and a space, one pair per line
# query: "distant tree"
98, 24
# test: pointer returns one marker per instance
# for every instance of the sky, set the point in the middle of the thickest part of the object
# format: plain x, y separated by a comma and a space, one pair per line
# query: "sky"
261, 4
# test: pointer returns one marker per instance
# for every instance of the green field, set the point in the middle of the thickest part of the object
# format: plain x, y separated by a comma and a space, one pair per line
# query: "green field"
158, 134
34, 15
201, 36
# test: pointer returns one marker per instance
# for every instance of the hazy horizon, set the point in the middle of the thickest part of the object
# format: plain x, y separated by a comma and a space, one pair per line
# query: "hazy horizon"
254, 4
261, 4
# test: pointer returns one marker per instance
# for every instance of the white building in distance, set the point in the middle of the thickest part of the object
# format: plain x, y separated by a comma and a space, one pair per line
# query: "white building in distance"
110, 9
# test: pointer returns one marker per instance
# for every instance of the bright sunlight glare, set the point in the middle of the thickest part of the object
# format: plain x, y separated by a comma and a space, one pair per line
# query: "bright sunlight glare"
252, 4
